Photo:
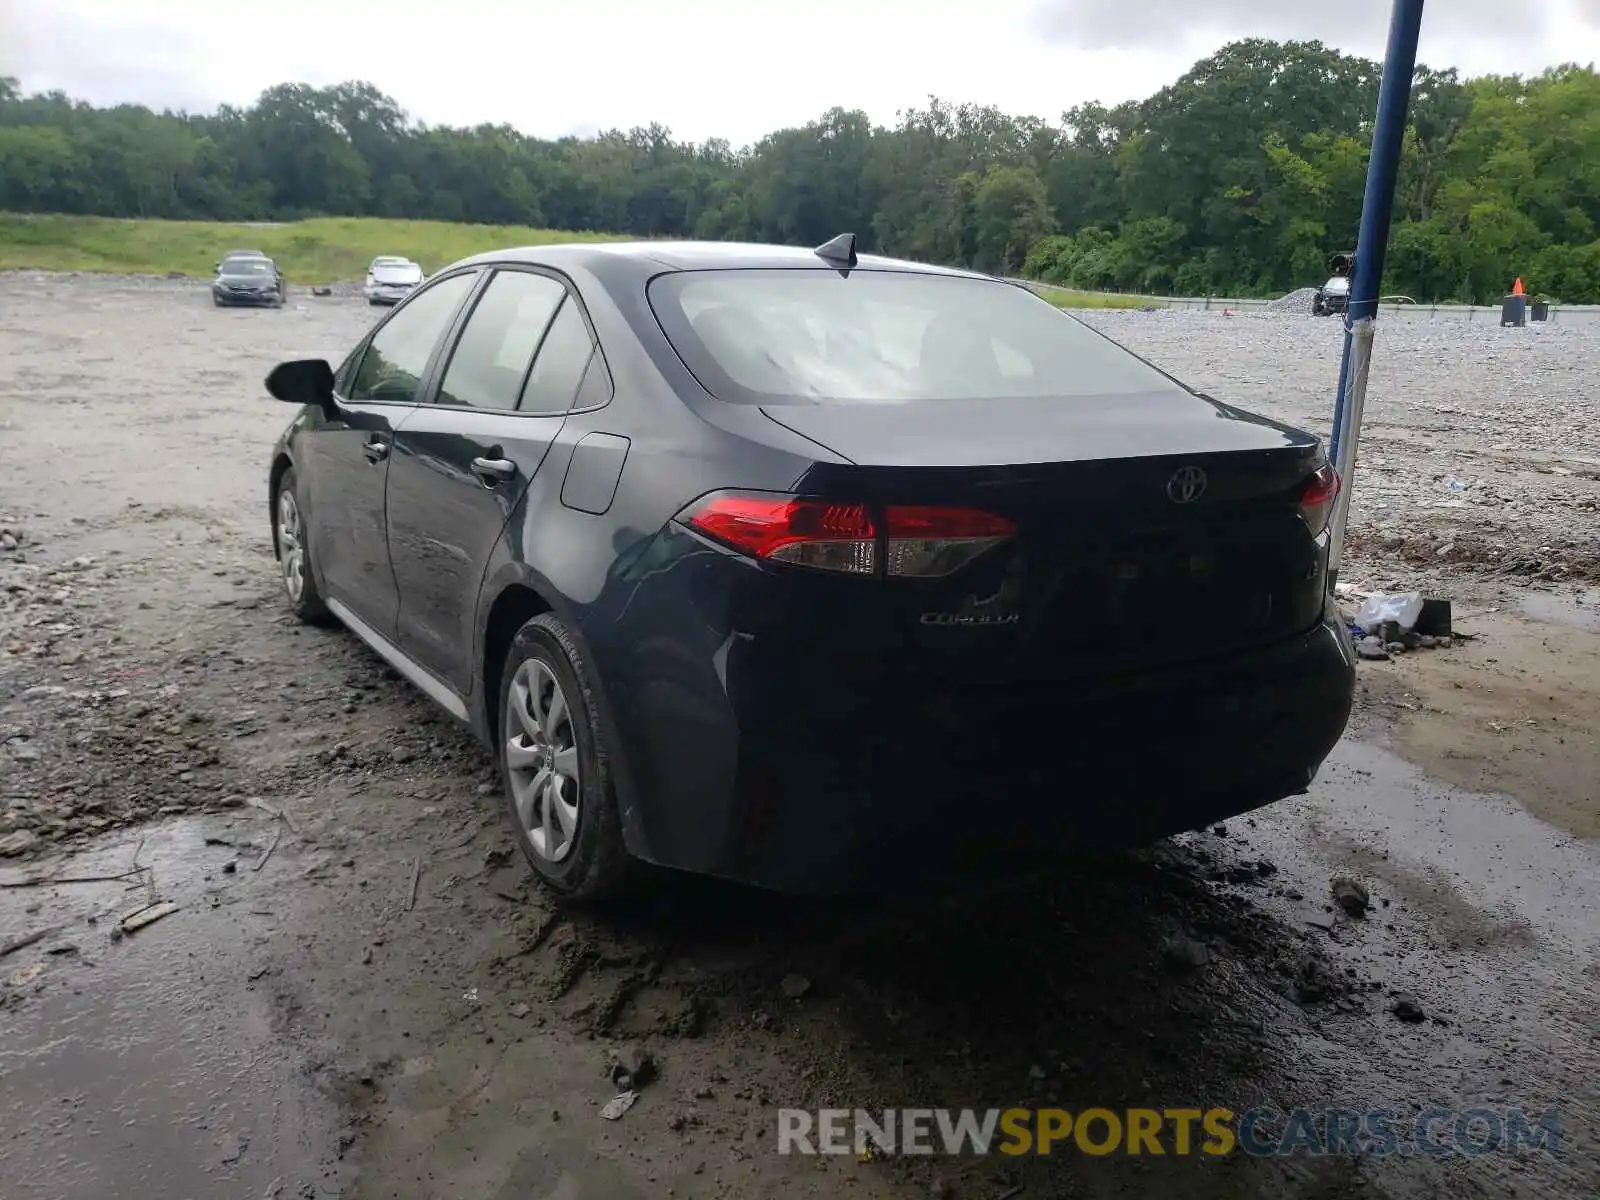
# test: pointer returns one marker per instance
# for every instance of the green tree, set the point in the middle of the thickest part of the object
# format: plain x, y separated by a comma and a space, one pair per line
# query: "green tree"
1240, 177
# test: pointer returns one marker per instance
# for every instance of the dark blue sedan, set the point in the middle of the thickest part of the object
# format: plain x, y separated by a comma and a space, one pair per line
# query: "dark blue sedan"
809, 569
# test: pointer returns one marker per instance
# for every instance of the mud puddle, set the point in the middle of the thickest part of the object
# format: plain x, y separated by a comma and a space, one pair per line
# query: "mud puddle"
1515, 710
148, 1063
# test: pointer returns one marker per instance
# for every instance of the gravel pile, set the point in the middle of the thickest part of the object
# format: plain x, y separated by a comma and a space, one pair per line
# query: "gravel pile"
1297, 301
1480, 445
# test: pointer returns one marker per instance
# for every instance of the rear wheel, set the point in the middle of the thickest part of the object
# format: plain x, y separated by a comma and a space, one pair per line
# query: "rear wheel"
290, 536
554, 761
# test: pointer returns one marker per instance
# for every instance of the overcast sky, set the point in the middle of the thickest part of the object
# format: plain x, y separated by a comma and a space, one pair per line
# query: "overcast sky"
718, 68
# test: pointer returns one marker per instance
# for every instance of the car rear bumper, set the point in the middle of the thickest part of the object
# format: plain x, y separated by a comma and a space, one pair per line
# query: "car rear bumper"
771, 770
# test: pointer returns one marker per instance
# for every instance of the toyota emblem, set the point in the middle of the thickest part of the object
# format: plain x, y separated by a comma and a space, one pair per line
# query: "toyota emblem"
1187, 485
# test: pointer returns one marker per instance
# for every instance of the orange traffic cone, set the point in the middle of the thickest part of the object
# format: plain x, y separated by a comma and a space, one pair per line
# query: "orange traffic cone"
1516, 288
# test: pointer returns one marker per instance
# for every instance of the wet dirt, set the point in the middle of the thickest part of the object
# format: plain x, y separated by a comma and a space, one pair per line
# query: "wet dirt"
154, 1063
387, 1008
1515, 709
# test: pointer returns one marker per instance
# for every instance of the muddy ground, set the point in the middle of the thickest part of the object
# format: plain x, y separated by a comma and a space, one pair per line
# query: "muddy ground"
360, 995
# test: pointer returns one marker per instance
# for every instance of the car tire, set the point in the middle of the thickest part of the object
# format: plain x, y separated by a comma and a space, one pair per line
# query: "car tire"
293, 549
556, 769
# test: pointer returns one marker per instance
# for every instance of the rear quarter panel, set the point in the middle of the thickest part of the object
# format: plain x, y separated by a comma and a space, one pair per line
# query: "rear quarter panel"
681, 445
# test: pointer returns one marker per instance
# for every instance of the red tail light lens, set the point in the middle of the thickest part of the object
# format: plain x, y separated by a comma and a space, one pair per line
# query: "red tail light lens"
809, 533
1316, 499
920, 542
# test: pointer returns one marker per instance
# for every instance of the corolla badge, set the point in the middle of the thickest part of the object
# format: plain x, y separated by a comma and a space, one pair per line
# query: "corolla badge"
996, 609
1187, 485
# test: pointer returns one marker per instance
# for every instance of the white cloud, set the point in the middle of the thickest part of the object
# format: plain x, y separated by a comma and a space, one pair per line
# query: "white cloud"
709, 68
1479, 36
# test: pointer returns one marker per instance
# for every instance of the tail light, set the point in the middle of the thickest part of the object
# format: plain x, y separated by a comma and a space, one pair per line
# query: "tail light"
1316, 498
915, 541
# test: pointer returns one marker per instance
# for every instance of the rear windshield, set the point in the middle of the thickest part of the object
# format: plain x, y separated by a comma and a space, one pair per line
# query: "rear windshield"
1339, 283
398, 272
818, 336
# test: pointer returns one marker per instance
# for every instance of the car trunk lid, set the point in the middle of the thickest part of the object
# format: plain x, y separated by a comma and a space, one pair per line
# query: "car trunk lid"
1164, 532
1041, 429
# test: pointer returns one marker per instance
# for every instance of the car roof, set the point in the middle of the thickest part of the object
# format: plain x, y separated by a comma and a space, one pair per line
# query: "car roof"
245, 254
390, 258
245, 257
695, 256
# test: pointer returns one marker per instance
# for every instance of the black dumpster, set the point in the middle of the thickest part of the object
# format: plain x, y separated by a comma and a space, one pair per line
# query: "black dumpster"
1514, 311
1539, 310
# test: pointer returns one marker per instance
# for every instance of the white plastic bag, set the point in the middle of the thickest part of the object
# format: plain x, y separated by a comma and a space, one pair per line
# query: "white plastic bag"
1403, 608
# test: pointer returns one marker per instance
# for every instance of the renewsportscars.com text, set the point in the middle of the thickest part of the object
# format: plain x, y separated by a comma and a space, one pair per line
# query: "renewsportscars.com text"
1259, 1132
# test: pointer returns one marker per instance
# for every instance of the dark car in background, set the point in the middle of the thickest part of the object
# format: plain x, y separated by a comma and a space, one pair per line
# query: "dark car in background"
803, 567
248, 279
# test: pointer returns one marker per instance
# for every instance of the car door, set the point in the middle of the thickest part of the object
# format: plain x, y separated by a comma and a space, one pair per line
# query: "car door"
343, 459
463, 461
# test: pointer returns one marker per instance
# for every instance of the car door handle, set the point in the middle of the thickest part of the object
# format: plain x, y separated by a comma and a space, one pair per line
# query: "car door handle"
493, 470
376, 451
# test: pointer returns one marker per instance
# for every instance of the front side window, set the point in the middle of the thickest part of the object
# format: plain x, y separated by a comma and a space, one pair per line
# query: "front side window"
491, 358
818, 336
398, 354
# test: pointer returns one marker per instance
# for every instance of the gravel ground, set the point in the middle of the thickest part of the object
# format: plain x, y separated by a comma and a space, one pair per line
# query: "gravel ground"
1480, 448
361, 995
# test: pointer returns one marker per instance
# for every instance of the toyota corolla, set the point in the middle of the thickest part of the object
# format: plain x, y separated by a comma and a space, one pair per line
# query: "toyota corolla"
799, 567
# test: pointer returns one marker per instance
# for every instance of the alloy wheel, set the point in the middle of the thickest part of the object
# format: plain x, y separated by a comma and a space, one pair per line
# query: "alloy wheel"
291, 546
542, 760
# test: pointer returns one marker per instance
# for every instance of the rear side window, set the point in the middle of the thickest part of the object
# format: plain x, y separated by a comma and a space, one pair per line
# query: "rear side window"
491, 357
399, 352
561, 364
817, 336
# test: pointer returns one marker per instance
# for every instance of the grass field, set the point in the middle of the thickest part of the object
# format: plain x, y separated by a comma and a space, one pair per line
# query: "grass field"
323, 250
1070, 298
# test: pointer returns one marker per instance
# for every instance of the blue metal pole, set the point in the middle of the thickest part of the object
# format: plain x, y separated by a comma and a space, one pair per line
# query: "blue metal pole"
1377, 207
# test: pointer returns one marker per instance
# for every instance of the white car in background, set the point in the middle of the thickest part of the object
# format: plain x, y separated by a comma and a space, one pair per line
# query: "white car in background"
390, 279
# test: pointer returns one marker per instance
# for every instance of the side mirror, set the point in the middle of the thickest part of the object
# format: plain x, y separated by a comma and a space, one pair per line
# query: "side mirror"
302, 381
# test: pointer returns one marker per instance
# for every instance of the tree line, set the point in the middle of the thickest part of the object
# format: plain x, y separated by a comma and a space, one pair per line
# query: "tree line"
1241, 178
